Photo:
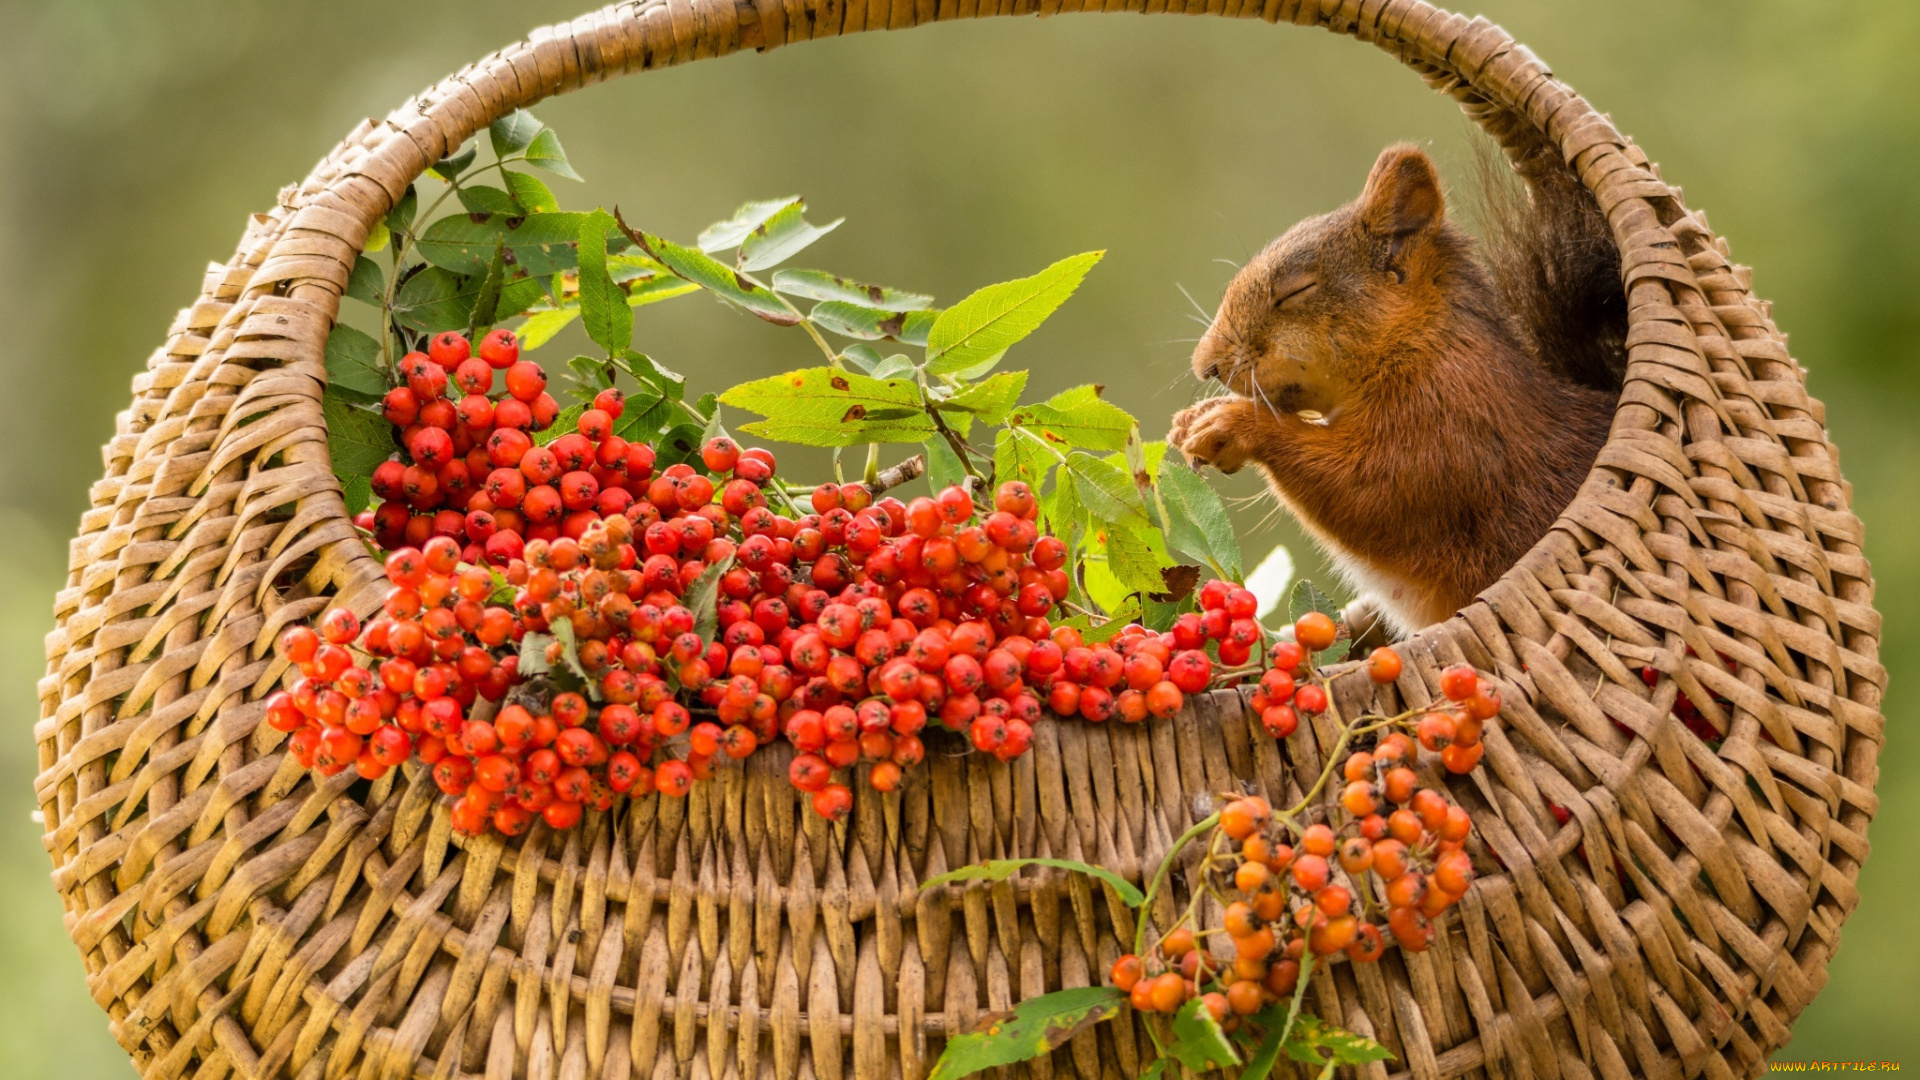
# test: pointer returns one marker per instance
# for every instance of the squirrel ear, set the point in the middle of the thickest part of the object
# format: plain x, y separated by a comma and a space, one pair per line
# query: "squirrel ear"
1403, 193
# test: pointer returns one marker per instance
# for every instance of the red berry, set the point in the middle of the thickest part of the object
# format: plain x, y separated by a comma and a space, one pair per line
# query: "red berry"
500, 349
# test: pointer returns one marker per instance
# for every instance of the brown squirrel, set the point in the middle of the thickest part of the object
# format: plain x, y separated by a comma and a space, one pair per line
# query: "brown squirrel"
1462, 394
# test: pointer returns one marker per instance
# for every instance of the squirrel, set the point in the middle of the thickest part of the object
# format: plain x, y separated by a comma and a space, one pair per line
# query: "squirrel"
1463, 389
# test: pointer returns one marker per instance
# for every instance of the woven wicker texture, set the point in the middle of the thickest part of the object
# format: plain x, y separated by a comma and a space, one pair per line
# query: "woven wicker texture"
239, 918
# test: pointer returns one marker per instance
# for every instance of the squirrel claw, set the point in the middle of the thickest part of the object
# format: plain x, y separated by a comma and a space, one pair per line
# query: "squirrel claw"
1212, 433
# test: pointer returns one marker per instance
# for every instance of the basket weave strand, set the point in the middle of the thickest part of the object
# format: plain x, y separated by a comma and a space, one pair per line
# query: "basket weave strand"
239, 917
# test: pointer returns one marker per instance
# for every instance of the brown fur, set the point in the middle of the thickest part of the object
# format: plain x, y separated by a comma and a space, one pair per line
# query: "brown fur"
1448, 444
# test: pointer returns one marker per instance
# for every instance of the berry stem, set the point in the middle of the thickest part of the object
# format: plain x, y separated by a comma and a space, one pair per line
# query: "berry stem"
1194, 832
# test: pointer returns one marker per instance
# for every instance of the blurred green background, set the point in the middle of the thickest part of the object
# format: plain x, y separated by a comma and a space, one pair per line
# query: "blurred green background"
136, 135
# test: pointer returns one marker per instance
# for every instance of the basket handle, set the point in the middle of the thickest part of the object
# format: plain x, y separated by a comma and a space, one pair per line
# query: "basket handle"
301, 254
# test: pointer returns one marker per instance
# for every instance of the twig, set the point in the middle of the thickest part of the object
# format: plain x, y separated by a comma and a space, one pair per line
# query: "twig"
893, 476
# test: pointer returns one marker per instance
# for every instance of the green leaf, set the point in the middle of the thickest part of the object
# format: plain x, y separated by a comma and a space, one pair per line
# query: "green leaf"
829, 407
893, 367
564, 421
864, 357
856, 321
358, 491
715, 277
358, 436
820, 285
533, 654
545, 153
944, 469
486, 303
480, 199
995, 317
722, 235
1107, 491
1132, 560
543, 244
703, 599
1094, 633
454, 164
1002, 869
603, 307
644, 370
915, 330
377, 238
1198, 1042
653, 290
436, 299
1196, 520
519, 294
990, 399
400, 218
367, 283
541, 326
353, 362
1016, 456
1308, 597
1032, 1028
461, 244
1315, 1042
514, 132
1077, 418
781, 237
531, 193
570, 655
680, 443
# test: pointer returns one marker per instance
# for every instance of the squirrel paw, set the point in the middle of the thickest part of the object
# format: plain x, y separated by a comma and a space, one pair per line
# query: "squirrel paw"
1215, 432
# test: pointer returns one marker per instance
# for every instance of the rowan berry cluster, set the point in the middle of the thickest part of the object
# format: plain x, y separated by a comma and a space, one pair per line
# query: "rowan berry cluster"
1394, 862
683, 619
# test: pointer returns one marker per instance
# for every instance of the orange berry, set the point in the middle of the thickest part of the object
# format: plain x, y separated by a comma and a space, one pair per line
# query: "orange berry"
1405, 826
1245, 997
1357, 799
1281, 858
1459, 682
1329, 936
1398, 785
1256, 849
1407, 890
1240, 919
1485, 703
1270, 904
1383, 665
1257, 944
1238, 820
1177, 943
1356, 854
1389, 859
1282, 978
1141, 996
1310, 872
1393, 749
1460, 760
1127, 972
1317, 840
1254, 968
1316, 631
1436, 901
1358, 767
1216, 1004
1453, 873
1466, 729
1250, 877
1436, 731
1169, 991
1432, 808
1458, 825
1367, 944
1410, 928
1333, 900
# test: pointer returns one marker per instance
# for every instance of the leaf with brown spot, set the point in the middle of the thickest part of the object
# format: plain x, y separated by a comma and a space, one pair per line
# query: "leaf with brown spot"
1034, 1027
828, 407
1181, 581
858, 412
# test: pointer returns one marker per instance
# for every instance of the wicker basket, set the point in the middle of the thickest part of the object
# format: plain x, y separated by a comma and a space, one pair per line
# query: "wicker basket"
239, 918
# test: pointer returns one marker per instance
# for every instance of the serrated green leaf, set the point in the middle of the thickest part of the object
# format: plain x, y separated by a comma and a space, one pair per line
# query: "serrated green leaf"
716, 277
564, 421
1307, 597
1198, 1041
353, 361
519, 294
781, 237
570, 655
1313, 1041
544, 152
603, 306
1062, 505
893, 367
486, 302
863, 357
1131, 559
1108, 493
919, 324
829, 407
1077, 418
1196, 520
993, 318
367, 283
358, 492
856, 321
531, 193
703, 599
1017, 457
680, 443
820, 285
1127, 611
1032, 1028
1002, 869
990, 399
722, 235
436, 299
480, 199
454, 164
533, 654
358, 437
647, 372
944, 469
653, 290
461, 244
541, 326
400, 218
513, 132
544, 244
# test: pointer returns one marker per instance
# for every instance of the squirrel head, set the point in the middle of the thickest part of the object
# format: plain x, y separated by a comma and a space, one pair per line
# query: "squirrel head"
1336, 302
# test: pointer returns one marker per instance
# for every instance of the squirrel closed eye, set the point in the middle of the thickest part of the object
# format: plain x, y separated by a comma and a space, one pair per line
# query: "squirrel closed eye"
1462, 390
